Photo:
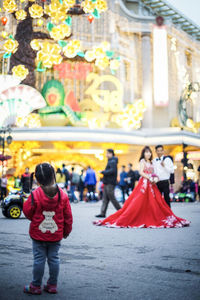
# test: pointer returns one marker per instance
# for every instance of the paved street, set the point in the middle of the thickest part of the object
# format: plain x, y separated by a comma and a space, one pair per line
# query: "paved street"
101, 263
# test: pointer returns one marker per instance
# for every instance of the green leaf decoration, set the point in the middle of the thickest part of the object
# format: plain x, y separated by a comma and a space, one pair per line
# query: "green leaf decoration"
39, 67
112, 72
62, 43
11, 37
68, 21
96, 13
93, 1
7, 55
110, 54
50, 26
118, 58
81, 54
61, 2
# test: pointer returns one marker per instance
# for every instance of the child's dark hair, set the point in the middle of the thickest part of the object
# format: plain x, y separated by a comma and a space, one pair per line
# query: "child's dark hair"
111, 151
45, 174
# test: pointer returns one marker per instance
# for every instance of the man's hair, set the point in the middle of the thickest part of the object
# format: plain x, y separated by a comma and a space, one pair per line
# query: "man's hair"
111, 151
130, 164
45, 173
63, 165
159, 146
123, 166
72, 168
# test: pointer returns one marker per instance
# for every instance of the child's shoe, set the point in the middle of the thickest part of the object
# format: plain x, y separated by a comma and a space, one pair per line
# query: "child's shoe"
50, 288
31, 289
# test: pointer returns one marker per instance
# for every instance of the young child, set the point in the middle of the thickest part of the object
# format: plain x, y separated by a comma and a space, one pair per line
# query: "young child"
49, 210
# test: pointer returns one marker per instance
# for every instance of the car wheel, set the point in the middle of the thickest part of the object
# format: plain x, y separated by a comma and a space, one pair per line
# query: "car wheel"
4, 212
14, 212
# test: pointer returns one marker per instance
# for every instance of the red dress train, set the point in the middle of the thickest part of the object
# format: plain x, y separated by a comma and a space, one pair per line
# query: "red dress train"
144, 208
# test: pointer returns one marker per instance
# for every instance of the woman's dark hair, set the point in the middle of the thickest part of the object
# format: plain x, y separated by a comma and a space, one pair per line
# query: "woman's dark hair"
45, 173
145, 149
111, 151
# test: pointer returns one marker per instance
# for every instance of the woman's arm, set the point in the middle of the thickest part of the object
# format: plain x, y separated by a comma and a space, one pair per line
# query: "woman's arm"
141, 171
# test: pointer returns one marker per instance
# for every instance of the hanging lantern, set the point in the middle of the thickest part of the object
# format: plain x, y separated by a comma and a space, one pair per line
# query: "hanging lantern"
90, 18
4, 20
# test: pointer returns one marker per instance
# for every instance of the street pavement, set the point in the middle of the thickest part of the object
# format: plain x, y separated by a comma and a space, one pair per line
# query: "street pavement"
99, 263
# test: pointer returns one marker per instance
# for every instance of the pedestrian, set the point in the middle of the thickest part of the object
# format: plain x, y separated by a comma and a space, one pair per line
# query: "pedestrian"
25, 181
4, 182
90, 182
49, 211
74, 181
163, 167
122, 182
60, 178
17, 183
130, 179
109, 180
145, 207
66, 174
81, 185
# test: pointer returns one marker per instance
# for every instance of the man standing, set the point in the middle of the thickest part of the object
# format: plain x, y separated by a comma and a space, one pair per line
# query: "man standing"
109, 180
90, 182
26, 181
74, 182
122, 182
130, 179
66, 174
163, 167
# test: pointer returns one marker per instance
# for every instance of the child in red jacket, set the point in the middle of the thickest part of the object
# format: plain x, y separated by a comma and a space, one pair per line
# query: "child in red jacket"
49, 210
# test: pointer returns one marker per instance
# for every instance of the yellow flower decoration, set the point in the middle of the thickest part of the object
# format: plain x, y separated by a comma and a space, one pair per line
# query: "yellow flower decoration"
89, 55
49, 55
114, 64
105, 46
88, 6
72, 48
21, 14
20, 71
101, 5
102, 63
35, 44
60, 32
57, 16
69, 3
11, 46
9, 6
99, 52
36, 11
33, 121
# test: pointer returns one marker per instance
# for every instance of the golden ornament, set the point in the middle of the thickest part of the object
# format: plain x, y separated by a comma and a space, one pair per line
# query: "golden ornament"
49, 55
20, 71
36, 11
21, 14
11, 46
9, 6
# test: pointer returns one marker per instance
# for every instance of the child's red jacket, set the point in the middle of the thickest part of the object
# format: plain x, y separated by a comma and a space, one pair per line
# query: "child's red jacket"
51, 218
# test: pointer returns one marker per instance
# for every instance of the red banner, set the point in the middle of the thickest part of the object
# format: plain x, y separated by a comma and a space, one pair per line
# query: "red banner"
77, 71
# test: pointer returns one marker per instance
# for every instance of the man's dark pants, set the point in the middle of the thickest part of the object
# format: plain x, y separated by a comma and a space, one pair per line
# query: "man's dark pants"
109, 195
163, 187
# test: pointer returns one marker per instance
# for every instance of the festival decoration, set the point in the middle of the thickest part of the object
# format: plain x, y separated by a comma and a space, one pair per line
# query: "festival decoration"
20, 71
131, 116
4, 34
49, 54
31, 121
90, 18
18, 101
36, 11
60, 32
7, 81
9, 6
72, 102
4, 20
72, 49
95, 7
40, 22
10, 45
54, 93
187, 95
21, 14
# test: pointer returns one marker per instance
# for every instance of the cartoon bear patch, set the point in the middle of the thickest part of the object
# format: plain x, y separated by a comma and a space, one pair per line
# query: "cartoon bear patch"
48, 224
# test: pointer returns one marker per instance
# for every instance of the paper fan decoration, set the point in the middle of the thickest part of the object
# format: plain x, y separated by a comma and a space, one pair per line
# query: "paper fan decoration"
19, 101
7, 81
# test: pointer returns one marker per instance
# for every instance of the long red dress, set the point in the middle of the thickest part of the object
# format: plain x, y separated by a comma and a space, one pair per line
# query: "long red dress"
144, 208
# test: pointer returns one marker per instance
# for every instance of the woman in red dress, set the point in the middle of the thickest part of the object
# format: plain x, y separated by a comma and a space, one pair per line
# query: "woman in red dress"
145, 207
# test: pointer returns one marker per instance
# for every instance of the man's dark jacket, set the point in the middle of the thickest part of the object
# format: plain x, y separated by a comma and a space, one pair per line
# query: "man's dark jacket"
110, 172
